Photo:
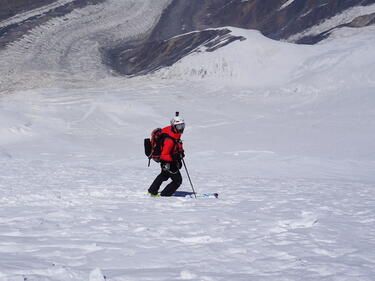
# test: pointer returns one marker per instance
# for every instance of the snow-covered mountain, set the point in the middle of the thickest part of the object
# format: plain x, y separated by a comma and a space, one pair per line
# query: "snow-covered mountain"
177, 32
283, 132
277, 19
295, 21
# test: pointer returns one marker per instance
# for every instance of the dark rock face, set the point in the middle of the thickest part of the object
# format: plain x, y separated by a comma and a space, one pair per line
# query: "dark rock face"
273, 18
263, 15
184, 26
363, 21
11, 32
360, 21
10, 8
154, 55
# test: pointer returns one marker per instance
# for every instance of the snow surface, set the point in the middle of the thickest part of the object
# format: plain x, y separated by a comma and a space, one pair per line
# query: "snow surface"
283, 132
286, 4
345, 17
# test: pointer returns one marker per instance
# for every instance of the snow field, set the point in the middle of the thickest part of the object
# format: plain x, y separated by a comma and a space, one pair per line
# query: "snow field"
74, 218
73, 187
265, 64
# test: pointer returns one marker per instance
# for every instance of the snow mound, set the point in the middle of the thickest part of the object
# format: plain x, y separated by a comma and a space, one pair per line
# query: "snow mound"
262, 62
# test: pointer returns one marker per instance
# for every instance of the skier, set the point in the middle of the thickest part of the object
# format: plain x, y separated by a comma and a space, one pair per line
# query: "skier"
170, 158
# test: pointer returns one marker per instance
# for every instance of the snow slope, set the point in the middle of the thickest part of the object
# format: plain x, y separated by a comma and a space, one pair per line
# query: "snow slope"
284, 133
345, 17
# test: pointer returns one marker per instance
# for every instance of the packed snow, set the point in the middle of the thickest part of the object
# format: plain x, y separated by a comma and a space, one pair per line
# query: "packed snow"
284, 133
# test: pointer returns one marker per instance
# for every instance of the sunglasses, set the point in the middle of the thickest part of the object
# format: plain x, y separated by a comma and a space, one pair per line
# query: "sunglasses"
180, 127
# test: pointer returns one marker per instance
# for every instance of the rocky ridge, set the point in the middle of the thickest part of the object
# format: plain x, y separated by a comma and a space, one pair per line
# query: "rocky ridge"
188, 26
277, 19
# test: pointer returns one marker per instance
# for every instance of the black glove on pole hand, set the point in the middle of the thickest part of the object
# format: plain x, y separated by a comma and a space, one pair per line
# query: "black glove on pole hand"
166, 166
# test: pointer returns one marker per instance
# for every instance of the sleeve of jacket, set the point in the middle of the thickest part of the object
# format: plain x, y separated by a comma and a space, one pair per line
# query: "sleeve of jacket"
167, 150
181, 148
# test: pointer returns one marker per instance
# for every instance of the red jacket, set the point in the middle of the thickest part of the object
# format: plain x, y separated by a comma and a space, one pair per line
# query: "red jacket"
172, 145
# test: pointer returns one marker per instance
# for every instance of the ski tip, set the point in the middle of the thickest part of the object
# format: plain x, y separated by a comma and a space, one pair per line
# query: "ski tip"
204, 195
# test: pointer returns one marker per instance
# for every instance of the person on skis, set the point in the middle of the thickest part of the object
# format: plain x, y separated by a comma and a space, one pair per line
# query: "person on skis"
171, 156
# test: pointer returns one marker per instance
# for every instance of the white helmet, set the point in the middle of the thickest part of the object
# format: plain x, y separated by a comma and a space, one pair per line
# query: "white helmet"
178, 123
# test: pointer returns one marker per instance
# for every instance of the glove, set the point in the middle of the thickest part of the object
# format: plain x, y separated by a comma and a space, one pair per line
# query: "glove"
166, 166
177, 157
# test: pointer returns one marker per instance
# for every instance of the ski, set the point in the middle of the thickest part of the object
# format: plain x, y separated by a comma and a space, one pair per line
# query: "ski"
203, 195
187, 194
190, 195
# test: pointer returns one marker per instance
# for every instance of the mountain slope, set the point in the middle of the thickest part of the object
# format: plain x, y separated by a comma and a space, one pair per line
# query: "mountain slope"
291, 155
306, 22
277, 19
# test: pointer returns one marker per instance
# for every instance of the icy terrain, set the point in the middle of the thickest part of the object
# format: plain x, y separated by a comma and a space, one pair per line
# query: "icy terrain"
66, 50
284, 133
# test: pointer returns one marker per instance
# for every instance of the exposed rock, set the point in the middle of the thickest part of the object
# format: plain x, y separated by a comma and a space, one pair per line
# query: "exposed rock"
271, 17
277, 19
10, 8
170, 40
363, 21
360, 21
153, 55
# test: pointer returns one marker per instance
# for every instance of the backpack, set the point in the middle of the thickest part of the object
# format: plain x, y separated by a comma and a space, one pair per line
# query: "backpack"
154, 145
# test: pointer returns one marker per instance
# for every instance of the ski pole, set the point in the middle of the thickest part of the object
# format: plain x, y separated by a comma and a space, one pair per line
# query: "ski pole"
192, 187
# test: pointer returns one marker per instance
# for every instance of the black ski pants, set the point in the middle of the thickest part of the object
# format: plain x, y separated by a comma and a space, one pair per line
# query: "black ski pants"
171, 187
